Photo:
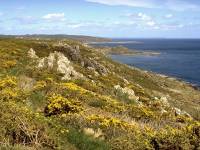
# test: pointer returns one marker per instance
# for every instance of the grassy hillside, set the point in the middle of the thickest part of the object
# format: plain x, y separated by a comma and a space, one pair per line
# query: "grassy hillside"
64, 95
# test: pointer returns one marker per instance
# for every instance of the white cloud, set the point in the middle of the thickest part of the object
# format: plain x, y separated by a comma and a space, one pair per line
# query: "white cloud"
145, 21
168, 16
55, 17
76, 25
139, 16
177, 5
151, 23
133, 3
84, 24
1, 14
156, 27
182, 5
144, 17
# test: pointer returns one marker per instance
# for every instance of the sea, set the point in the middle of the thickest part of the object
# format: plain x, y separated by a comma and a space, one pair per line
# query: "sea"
178, 58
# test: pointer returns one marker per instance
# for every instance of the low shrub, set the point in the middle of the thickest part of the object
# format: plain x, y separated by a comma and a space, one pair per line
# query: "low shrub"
60, 105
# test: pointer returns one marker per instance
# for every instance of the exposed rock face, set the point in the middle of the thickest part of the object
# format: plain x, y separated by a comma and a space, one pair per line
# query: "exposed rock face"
94, 65
166, 104
127, 91
165, 101
179, 112
93, 133
58, 62
162, 111
125, 81
77, 47
73, 53
31, 54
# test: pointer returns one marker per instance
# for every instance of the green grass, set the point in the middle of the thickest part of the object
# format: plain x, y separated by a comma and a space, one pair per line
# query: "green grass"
37, 100
97, 103
85, 142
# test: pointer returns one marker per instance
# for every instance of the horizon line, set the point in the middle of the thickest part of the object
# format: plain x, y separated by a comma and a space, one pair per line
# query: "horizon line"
100, 36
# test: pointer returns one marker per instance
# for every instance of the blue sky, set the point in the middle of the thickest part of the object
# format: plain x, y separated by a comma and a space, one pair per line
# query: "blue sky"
105, 18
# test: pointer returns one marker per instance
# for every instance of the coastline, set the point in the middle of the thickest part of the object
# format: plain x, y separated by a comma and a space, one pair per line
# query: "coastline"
57, 81
123, 51
112, 42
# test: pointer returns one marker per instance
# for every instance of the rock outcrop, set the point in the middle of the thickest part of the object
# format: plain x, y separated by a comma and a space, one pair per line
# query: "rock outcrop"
128, 91
57, 62
94, 65
166, 104
180, 112
32, 54
95, 134
73, 53
165, 101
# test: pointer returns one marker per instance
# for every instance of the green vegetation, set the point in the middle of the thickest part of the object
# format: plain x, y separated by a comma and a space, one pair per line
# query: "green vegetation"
39, 110
83, 142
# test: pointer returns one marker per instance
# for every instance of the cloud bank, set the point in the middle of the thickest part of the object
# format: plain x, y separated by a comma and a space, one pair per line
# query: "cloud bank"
54, 17
176, 5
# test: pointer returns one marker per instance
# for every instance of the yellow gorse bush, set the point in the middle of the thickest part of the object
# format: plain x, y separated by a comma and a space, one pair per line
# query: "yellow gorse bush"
110, 122
9, 64
60, 105
9, 81
72, 86
8, 88
8, 93
40, 84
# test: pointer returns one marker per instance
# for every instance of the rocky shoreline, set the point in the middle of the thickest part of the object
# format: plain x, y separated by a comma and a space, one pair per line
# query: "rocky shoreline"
121, 50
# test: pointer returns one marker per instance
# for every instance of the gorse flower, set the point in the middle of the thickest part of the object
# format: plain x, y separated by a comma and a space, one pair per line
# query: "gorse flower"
9, 81
9, 64
8, 88
60, 105
39, 85
109, 122
72, 86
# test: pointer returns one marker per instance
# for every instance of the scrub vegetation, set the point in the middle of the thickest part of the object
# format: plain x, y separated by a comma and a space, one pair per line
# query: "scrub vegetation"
102, 105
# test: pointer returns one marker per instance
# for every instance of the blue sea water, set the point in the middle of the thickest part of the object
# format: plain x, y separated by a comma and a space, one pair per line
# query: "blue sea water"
179, 57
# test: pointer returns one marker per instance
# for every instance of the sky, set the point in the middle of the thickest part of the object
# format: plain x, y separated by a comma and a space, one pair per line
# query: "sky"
102, 18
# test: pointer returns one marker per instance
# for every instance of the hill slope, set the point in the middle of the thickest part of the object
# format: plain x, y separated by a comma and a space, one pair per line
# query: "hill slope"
64, 95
